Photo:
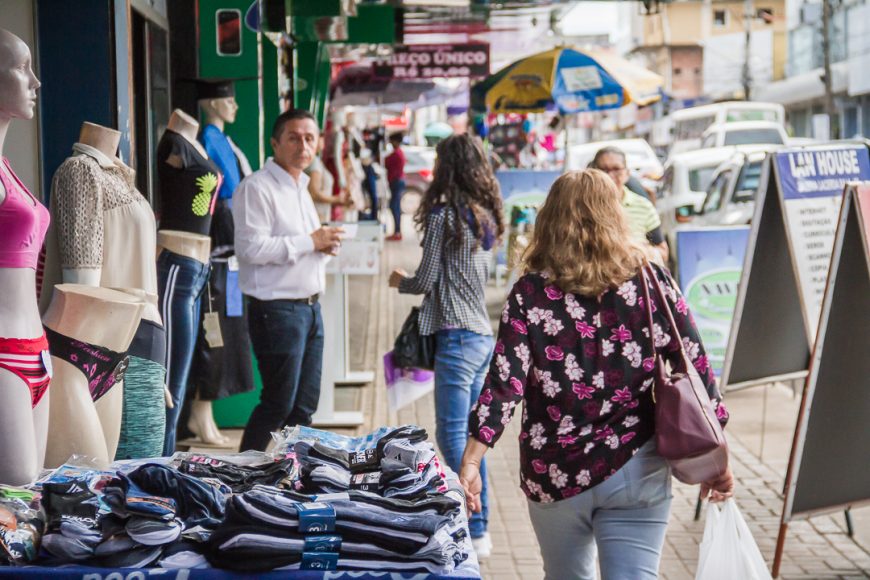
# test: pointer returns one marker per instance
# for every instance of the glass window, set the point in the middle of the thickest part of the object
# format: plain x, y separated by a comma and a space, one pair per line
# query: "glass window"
717, 192
699, 179
229, 32
747, 183
750, 136
735, 115
720, 18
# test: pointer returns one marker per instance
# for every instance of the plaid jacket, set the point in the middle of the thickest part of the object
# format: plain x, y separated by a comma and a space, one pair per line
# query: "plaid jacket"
452, 277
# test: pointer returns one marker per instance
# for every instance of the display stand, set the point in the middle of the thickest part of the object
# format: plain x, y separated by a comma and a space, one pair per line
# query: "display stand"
360, 255
828, 468
787, 259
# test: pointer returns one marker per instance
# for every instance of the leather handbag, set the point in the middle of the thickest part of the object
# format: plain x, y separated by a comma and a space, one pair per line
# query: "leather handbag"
688, 434
411, 350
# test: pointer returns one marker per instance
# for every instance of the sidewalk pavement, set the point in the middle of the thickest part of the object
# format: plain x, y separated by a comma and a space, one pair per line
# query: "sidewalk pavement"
817, 549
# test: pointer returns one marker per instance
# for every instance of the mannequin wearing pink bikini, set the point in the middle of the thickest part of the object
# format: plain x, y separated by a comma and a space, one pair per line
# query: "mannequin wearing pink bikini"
24, 408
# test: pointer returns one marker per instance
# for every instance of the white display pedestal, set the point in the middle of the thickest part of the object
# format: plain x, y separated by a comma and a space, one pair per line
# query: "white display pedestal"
360, 255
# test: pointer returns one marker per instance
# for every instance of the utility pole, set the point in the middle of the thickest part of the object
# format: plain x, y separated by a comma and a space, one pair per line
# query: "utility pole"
826, 50
748, 16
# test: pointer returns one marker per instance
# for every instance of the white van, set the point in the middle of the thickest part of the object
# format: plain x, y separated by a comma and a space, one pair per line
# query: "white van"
690, 124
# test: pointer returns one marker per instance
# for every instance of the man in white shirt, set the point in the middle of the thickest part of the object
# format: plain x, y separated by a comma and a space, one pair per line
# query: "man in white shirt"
282, 251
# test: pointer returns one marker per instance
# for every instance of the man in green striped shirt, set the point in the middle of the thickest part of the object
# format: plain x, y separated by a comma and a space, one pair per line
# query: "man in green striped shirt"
642, 215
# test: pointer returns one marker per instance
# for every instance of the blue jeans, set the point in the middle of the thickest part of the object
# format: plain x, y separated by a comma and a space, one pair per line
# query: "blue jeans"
626, 516
371, 186
288, 342
397, 188
180, 282
461, 362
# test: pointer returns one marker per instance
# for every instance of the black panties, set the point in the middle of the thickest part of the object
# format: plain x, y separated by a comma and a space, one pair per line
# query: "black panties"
102, 367
149, 342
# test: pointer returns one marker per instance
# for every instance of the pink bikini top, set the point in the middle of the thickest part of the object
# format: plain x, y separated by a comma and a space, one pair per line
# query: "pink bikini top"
22, 224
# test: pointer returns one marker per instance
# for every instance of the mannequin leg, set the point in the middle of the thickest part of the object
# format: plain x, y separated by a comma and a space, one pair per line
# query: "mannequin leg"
41, 415
110, 409
203, 425
19, 451
74, 424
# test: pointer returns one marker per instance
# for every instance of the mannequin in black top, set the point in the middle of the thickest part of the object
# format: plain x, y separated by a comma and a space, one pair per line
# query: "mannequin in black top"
188, 184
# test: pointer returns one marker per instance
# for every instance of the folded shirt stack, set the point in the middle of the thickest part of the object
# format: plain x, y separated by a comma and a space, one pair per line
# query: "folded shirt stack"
261, 532
240, 478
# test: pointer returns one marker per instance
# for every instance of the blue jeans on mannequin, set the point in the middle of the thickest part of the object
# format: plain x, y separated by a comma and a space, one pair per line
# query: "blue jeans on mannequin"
461, 363
287, 337
626, 516
397, 188
180, 283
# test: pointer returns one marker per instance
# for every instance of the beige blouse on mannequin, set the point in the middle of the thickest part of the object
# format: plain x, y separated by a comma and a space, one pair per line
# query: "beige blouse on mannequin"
103, 231
185, 244
78, 424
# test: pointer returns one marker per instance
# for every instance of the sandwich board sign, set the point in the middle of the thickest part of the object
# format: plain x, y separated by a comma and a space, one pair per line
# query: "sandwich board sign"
828, 468
709, 262
787, 260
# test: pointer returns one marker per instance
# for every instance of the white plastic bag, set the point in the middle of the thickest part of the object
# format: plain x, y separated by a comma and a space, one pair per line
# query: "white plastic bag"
404, 386
728, 550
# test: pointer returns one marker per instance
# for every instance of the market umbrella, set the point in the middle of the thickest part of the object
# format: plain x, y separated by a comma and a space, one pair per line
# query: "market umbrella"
567, 79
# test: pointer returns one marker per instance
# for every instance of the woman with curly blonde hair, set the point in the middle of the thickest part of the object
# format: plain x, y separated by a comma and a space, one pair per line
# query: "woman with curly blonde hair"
575, 347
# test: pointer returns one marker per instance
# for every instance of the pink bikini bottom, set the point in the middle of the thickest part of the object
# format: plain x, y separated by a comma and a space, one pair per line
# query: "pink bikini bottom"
29, 359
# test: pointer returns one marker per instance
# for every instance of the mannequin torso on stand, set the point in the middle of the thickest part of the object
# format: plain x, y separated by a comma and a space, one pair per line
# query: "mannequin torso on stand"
218, 372
188, 184
79, 424
24, 406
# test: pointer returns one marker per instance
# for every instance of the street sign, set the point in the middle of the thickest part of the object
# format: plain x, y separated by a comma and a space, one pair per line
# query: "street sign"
787, 261
828, 468
428, 61
709, 263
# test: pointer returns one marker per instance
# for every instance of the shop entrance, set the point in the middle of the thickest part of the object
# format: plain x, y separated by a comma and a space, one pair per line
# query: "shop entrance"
151, 108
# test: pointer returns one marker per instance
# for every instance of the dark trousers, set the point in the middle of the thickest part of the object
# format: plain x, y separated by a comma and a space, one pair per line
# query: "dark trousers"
397, 188
288, 343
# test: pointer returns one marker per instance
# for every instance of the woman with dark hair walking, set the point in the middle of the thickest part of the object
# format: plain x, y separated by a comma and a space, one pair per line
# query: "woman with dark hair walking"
461, 218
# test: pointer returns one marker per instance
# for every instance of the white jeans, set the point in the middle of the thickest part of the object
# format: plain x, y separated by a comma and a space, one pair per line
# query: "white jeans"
626, 516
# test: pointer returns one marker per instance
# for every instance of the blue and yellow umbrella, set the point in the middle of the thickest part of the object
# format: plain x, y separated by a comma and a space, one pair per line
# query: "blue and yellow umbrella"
567, 79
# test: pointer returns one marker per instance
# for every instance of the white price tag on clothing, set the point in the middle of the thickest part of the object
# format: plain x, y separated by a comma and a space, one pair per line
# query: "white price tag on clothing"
212, 326
233, 264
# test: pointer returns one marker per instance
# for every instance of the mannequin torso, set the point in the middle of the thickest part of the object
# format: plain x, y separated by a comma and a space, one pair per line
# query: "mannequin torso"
22, 425
187, 127
78, 424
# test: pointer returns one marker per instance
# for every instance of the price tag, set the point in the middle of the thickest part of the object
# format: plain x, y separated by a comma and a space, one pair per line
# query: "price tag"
212, 326
233, 264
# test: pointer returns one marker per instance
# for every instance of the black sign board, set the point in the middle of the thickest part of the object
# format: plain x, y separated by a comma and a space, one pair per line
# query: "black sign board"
429, 61
828, 469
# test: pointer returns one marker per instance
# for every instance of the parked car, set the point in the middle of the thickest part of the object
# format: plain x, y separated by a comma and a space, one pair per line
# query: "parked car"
640, 158
688, 125
745, 133
684, 186
730, 199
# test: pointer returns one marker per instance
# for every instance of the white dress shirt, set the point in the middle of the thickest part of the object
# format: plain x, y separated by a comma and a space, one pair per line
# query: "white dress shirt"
274, 219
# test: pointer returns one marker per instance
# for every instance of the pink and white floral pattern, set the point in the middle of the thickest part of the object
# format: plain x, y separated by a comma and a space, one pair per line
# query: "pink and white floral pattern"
582, 367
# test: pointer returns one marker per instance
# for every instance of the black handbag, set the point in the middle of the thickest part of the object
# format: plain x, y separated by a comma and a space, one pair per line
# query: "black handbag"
411, 350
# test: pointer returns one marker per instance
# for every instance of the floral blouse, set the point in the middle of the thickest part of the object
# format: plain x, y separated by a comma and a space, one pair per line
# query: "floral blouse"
583, 366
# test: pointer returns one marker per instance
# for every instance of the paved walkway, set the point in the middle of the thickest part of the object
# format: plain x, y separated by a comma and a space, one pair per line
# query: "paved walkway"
818, 549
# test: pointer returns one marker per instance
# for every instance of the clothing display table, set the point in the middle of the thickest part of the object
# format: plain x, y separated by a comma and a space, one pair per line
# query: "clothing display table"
320, 505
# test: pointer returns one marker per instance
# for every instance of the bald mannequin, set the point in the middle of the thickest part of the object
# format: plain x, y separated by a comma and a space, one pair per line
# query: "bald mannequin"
23, 428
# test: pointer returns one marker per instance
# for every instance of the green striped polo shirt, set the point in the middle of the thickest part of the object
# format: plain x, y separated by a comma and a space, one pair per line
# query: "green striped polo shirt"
642, 215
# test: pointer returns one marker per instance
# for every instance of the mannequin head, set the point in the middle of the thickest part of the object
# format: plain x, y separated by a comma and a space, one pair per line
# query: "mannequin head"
18, 84
220, 111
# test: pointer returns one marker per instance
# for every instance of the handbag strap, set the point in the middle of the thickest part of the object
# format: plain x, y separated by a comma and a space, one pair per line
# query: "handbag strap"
647, 272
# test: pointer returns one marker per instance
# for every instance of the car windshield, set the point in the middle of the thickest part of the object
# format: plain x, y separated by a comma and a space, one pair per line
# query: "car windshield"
747, 184
700, 178
750, 136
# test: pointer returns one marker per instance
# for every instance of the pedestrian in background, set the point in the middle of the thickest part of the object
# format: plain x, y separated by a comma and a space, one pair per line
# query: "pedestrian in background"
575, 348
320, 184
643, 219
461, 218
395, 165
282, 251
